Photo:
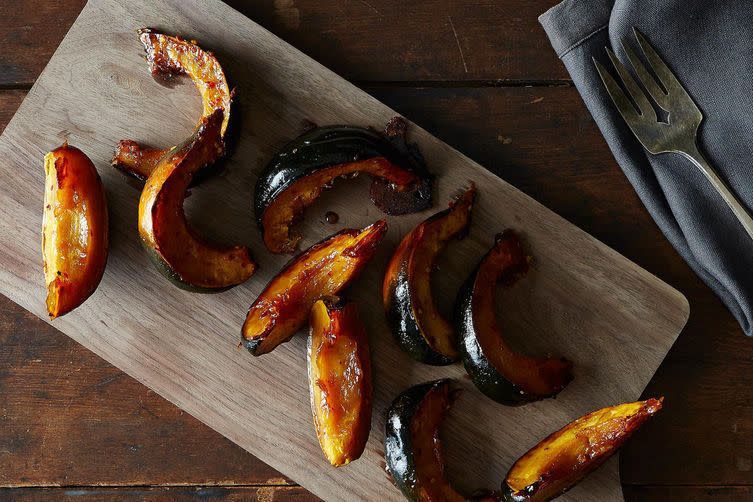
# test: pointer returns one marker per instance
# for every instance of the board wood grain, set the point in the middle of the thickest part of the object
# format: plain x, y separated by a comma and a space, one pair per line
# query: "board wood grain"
583, 300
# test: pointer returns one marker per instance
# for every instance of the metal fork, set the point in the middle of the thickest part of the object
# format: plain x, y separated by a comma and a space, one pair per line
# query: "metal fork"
680, 134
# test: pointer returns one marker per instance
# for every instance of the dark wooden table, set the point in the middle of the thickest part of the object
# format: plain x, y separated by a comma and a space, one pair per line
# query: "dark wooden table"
480, 75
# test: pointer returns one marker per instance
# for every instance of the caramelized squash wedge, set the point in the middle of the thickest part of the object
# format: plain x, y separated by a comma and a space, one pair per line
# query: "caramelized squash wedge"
324, 269
499, 372
74, 229
169, 57
299, 173
412, 446
561, 460
184, 257
408, 302
339, 368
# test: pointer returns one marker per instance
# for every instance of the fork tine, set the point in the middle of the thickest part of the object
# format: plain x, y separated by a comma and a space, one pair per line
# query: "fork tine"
619, 98
661, 70
645, 77
640, 99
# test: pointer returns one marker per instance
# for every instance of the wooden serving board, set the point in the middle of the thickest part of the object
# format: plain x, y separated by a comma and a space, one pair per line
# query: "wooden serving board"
582, 299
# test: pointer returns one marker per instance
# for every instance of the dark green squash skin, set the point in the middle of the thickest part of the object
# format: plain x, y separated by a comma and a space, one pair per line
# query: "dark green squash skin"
508, 495
484, 376
250, 345
398, 444
404, 325
324, 147
401, 315
174, 277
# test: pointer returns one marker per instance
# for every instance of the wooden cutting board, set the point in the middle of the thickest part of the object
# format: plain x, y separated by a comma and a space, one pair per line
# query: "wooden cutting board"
582, 299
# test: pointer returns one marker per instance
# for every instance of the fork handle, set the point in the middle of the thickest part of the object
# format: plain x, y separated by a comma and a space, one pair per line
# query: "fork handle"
743, 216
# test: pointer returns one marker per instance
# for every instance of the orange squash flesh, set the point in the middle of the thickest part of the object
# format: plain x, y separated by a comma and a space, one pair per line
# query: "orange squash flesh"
184, 256
427, 447
324, 269
536, 376
287, 207
136, 160
74, 229
413, 262
339, 380
561, 460
170, 56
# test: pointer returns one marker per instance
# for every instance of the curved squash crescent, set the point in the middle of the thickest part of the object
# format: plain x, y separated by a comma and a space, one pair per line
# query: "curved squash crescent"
407, 294
412, 445
178, 251
307, 165
499, 372
169, 56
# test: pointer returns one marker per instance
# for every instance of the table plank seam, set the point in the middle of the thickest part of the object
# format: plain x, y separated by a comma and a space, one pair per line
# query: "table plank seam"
15, 86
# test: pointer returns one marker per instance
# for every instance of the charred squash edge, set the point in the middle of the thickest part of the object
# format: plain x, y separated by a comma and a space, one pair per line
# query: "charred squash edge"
344, 150
62, 296
348, 319
138, 161
487, 378
205, 137
398, 290
553, 480
369, 238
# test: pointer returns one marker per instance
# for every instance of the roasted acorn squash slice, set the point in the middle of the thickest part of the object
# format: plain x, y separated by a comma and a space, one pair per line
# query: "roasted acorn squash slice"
412, 446
324, 269
499, 372
339, 368
178, 251
299, 173
74, 229
561, 460
168, 57
408, 302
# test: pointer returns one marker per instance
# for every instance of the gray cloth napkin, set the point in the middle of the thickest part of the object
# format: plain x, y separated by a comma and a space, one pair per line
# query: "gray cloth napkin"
709, 46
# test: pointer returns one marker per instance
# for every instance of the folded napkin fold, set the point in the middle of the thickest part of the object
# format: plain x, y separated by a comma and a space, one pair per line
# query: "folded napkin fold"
709, 46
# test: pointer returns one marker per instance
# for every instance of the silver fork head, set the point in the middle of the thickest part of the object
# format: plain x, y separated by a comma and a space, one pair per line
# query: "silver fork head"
683, 116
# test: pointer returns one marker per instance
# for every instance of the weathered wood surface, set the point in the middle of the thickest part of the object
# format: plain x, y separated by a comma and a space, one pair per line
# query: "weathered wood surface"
379, 40
700, 439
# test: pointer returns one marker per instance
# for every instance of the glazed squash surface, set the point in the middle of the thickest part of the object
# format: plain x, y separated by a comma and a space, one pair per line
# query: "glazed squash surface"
339, 380
301, 170
413, 447
186, 258
324, 269
561, 460
407, 290
497, 370
169, 57
74, 229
